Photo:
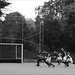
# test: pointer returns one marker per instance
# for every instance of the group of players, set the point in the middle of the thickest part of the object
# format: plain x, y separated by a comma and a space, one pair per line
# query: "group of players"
62, 56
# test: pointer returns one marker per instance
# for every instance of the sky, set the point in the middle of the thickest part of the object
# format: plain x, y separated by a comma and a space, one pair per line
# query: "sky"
26, 7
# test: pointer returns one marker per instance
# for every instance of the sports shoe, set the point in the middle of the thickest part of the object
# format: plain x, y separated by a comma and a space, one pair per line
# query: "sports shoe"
37, 65
53, 66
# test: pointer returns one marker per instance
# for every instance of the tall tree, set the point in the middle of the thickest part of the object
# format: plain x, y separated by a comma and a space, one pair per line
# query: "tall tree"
13, 26
57, 16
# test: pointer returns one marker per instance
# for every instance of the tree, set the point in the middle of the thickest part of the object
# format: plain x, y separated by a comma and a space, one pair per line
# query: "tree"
3, 4
16, 27
58, 17
13, 26
54, 9
52, 32
31, 26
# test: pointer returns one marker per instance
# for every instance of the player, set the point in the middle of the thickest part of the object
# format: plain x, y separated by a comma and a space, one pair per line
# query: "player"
58, 57
42, 56
67, 59
63, 52
48, 59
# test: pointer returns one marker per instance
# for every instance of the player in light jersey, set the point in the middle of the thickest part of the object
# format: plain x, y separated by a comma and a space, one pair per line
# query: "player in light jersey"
48, 59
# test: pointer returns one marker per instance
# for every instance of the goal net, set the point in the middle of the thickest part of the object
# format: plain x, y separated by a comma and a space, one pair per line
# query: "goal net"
9, 51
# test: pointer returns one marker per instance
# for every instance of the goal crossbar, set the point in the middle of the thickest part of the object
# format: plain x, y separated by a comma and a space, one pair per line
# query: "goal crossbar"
10, 44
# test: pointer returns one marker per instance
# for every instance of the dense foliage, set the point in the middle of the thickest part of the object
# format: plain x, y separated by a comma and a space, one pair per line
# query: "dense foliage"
58, 18
3, 4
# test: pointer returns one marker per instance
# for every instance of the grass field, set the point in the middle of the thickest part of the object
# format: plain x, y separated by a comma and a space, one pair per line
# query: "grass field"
32, 69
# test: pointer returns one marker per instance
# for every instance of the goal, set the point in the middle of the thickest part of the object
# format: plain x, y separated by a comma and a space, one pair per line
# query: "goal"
9, 51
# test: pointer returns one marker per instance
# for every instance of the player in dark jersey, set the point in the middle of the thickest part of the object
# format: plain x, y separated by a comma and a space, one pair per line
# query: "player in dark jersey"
43, 57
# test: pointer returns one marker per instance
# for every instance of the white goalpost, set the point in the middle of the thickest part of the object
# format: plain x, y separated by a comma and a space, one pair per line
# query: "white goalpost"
11, 51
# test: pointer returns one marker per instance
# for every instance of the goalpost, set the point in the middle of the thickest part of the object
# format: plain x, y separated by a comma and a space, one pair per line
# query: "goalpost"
11, 51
